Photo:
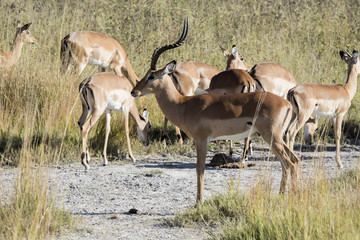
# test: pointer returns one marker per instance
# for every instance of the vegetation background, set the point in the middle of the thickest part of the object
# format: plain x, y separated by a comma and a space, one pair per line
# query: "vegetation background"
39, 107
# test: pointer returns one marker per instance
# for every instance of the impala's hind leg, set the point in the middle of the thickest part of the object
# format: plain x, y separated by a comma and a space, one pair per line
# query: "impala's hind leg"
337, 130
289, 162
85, 156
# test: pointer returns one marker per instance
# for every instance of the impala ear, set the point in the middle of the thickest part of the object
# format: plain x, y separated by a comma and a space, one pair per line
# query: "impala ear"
345, 56
25, 27
146, 115
235, 51
355, 55
225, 52
170, 67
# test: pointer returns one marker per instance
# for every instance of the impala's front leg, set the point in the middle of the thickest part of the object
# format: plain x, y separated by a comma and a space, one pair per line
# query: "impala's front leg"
201, 150
337, 130
164, 130
178, 135
107, 131
126, 116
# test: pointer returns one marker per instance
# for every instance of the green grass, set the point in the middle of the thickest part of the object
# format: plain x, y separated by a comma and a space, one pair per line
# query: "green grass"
322, 209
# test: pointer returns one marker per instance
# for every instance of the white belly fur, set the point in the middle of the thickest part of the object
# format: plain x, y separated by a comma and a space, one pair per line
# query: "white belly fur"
316, 112
238, 136
97, 62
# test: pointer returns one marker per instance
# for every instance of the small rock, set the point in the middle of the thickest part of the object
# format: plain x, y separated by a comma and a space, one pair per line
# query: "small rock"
133, 211
221, 160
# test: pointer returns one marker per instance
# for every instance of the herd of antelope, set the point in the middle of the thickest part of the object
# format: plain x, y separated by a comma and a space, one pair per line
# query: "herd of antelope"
205, 103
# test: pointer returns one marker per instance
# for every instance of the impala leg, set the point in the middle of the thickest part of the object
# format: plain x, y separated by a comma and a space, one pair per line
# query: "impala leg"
201, 150
80, 67
83, 116
278, 147
337, 129
294, 167
164, 130
126, 116
302, 118
178, 135
118, 71
85, 156
107, 131
231, 148
279, 152
247, 149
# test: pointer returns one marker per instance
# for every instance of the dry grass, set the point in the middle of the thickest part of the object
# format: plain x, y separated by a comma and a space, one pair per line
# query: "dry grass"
321, 209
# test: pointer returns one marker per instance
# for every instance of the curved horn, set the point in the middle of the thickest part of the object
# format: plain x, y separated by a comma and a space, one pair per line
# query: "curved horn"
157, 52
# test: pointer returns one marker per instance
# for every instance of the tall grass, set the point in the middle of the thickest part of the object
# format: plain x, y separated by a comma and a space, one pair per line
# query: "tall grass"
30, 211
322, 209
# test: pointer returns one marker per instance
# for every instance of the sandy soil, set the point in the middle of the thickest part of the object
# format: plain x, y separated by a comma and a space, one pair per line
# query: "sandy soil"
158, 187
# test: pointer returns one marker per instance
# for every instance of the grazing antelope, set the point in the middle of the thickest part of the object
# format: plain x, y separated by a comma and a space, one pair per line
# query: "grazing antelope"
22, 35
106, 92
190, 78
85, 47
325, 100
209, 117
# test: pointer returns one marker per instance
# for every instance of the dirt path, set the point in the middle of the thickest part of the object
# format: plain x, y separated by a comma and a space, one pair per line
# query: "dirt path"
158, 187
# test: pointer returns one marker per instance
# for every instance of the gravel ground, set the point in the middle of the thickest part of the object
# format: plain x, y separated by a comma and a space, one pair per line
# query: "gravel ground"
158, 187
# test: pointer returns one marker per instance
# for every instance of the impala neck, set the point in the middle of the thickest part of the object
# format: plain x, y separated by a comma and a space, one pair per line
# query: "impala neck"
16, 49
129, 72
136, 117
351, 82
168, 98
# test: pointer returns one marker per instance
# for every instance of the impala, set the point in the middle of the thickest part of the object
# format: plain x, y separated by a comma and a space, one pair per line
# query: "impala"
190, 77
233, 60
325, 100
269, 77
106, 92
22, 35
85, 47
209, 117
230, 82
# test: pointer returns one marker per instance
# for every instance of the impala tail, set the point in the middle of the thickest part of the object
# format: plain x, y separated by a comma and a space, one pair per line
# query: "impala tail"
291, 98
86, 97
65, 54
